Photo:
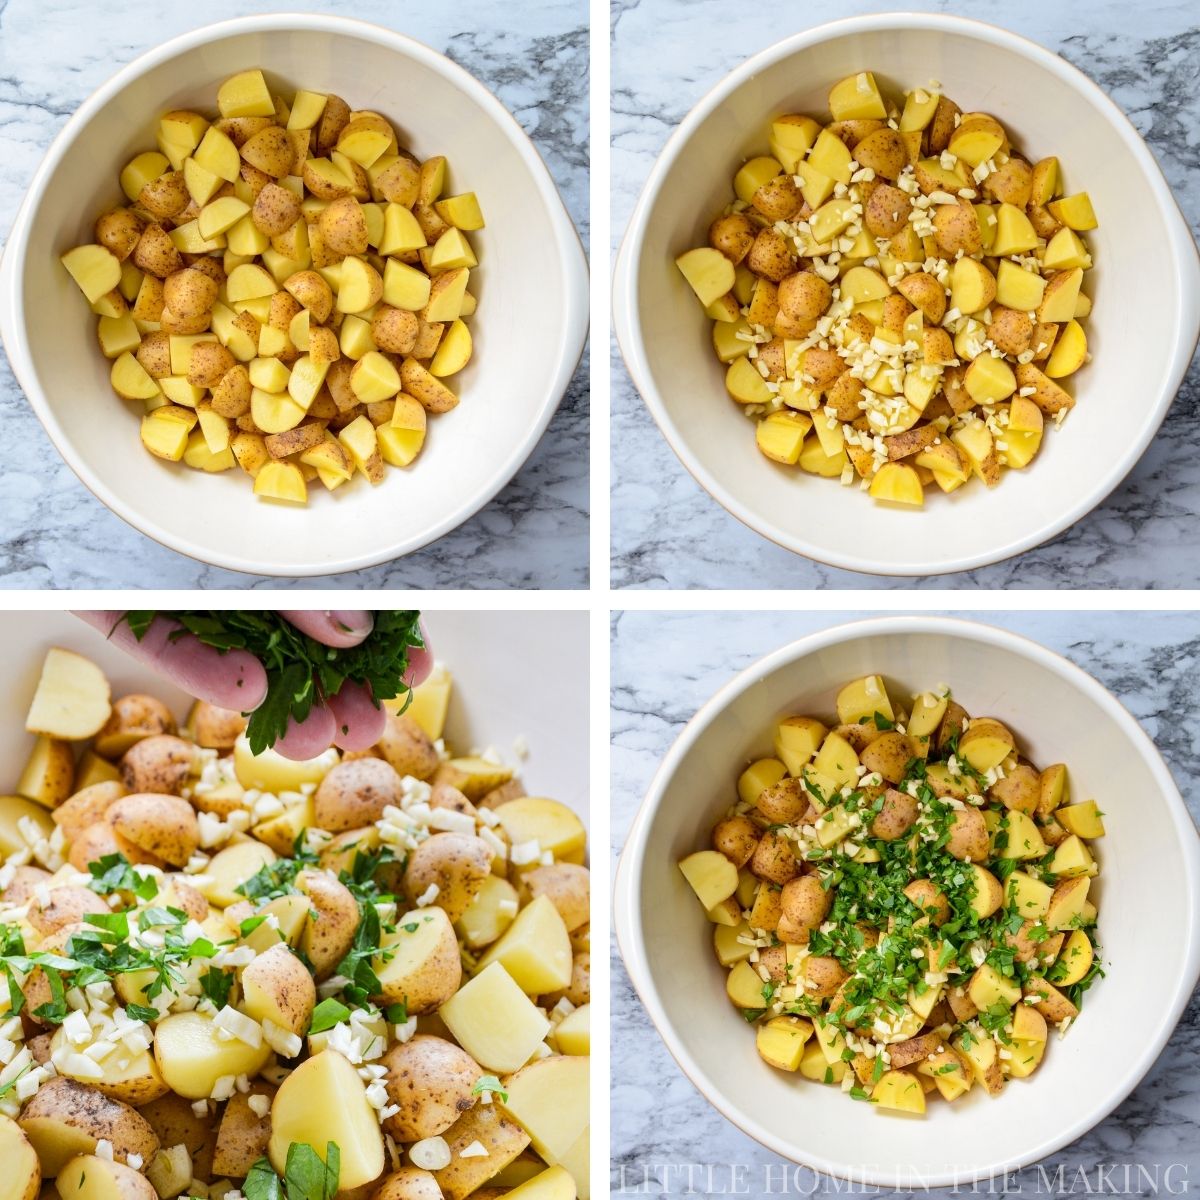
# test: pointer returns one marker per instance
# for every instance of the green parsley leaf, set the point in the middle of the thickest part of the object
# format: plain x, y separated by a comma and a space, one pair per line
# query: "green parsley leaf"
262, 1183
306, 1177
326, 1015
216, 986
489, 1083
140, 1012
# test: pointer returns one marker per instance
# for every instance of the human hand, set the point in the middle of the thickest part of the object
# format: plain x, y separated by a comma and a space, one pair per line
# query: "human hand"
236, 679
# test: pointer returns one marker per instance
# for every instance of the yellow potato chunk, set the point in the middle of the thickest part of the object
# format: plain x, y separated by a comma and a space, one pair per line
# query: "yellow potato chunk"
494, 1021
95, 269
245, 95
323, 1100
549, 1100
781, 1042
897, 484
857, 98
192, 1056
536, 949
708, 272
1075, 212
899, 1091
780, 436
553, 826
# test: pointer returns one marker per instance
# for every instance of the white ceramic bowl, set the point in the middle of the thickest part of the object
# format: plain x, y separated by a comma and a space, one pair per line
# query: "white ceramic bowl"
1146, 287
529, 331
1148, 894
484, 652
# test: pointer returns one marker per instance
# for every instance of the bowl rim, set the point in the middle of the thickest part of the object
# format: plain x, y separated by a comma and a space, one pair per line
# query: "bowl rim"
632, 346
573, 273
632, 864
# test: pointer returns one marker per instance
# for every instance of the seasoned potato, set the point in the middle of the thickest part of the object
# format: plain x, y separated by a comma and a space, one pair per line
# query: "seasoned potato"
355, 793
65, 1118
243, 1135
329, 934
454, 865
277, 987
432, 1082
162, 825
159, 764
407, 747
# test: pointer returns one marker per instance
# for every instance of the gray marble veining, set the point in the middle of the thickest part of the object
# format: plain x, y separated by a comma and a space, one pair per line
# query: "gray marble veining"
664, 666
667, 532
54, 53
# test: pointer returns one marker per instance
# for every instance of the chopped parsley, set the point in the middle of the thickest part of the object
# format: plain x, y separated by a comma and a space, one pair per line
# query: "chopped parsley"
300, 670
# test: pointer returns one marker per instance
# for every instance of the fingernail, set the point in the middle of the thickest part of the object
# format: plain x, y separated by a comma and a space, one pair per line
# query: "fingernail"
351, 622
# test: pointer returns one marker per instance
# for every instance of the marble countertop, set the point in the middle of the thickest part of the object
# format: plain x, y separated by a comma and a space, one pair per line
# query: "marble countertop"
664, 666
54, 53
667, 532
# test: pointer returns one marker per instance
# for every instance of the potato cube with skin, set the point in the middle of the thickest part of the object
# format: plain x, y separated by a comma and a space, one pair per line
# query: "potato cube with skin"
192, 1055
549, 1100
374, 378
494, 1021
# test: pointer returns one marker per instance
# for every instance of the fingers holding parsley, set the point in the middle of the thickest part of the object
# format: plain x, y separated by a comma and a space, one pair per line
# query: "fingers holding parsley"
308, 679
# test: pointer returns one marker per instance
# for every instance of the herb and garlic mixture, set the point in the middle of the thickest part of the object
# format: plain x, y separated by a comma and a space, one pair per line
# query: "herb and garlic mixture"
901, 899
227, 974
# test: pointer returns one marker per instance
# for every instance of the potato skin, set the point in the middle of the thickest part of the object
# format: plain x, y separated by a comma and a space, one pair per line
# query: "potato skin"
65, 905
242, 1135
804, 296
155, 253
409, 1183
163, 825
774, 860
736, 838
189, 293
133, 718
886, 212
771, 256
897, 817
157, 764
86, 807
119, 231
344, 227
955, 227
457, 863
733, 235
276, 209
407, 747
395, 329
313, 292
66, 1103
431, 1080
805, 904
968, 840
355, 793
783, 803
216, 728
327, 938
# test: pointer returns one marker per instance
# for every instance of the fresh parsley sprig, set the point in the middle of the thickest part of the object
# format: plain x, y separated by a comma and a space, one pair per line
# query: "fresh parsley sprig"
300, 671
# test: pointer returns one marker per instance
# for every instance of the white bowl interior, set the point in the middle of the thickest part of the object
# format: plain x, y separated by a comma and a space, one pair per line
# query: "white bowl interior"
1136, 286
1151, 963
528, 331
484, 652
